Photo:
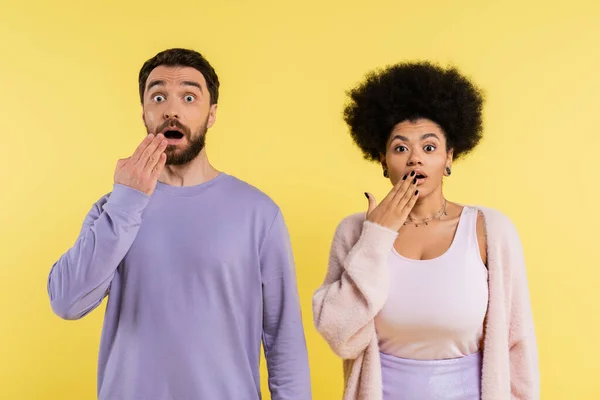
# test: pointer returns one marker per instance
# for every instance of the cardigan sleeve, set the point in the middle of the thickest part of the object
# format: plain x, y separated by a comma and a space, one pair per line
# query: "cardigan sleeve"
355, 287
523, 353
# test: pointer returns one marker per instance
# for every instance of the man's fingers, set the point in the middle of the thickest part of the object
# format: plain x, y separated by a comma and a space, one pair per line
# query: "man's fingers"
122, 161
142, 146
149, 150
160, 165
154, 157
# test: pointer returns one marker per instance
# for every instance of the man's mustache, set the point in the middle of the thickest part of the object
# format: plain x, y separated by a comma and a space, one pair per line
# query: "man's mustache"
173, 123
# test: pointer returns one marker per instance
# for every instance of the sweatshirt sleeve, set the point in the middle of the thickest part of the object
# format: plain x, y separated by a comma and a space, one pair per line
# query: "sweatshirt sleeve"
355, 288
283, 334
81, 277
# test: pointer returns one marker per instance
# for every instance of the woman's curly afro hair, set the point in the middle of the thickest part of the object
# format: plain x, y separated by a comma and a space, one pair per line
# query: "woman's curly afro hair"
412, 90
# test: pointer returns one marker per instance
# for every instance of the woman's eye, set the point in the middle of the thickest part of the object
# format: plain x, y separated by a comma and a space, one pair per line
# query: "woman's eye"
189, 98
429, 148
159, 98
400, 149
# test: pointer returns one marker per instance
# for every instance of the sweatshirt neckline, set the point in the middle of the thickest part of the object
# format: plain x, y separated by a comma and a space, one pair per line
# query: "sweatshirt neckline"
190, 190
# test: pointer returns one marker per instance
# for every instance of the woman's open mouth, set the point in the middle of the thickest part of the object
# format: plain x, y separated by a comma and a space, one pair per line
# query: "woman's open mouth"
420, 176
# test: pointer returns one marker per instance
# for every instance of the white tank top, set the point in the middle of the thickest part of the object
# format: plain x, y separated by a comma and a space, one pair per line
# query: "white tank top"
436, 308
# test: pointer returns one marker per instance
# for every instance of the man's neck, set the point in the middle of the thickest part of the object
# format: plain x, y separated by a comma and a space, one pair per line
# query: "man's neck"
193, 173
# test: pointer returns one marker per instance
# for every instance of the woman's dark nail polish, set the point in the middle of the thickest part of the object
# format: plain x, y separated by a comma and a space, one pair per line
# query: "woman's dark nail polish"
416, 192
415, 180
404, 177
412, 173
366, 195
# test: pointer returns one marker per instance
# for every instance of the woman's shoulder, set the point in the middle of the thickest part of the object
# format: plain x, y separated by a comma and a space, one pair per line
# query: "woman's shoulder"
497, 223
348, 230
351, 226
353, 221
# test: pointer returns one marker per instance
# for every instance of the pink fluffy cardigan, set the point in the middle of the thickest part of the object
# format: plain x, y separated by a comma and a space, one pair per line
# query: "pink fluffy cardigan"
355, 289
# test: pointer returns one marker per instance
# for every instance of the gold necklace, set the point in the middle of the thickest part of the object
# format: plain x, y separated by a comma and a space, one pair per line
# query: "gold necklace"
425, 221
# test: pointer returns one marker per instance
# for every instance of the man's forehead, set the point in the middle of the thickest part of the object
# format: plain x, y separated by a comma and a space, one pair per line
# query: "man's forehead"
175, 75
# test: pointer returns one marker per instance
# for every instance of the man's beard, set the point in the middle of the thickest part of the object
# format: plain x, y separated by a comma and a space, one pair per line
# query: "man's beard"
177, 156
190, 152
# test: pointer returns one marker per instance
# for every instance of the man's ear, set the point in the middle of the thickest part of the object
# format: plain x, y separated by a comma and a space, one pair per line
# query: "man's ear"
212, 116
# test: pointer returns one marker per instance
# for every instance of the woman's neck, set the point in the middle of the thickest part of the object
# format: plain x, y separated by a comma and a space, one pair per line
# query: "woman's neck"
429, 206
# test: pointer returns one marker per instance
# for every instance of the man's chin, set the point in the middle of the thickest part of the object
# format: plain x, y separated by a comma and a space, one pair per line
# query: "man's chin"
181, 157
181, 154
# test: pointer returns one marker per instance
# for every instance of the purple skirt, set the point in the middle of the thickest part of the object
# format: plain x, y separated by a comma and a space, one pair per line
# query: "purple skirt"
454, 379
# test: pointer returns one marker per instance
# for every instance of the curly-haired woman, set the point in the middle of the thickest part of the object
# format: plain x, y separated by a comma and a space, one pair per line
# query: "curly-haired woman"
424, 298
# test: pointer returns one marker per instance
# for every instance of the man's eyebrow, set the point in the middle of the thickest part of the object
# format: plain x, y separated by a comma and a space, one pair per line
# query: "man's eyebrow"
159, 82
155, 83
192, 83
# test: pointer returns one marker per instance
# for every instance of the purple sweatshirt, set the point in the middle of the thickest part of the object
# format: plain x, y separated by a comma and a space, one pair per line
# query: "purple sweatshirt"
196, 278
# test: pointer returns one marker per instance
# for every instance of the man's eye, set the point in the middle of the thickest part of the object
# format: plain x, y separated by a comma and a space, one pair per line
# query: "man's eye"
159, 98
189, 98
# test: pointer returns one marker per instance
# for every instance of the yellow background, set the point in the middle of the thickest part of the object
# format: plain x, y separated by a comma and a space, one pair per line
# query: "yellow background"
69, 109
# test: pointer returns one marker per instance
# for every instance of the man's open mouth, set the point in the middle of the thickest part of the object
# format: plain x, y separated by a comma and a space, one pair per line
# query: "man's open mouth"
173, 134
